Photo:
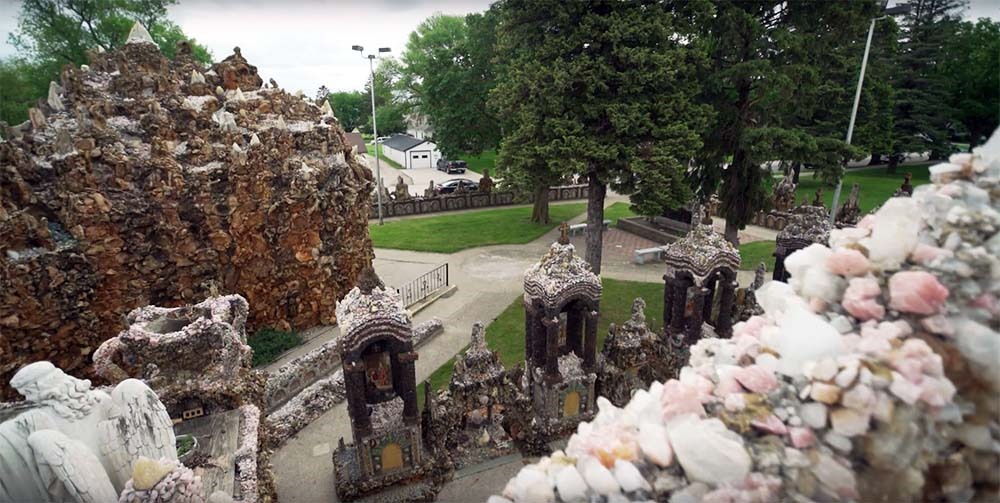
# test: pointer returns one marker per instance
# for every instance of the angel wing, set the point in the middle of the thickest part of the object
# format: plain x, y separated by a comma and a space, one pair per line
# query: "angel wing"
19, 479
137, 425
69, 471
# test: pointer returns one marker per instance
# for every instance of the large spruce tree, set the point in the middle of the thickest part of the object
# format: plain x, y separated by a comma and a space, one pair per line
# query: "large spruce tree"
781, 81
601, 89
922, 110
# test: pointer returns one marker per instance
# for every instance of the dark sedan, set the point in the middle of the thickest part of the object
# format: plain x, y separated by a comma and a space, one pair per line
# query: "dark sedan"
453, 184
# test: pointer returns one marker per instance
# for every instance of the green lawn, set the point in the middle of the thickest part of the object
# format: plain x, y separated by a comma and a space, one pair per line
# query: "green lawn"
477, 162
616, 211
506, 333
390, 162
451, 233
268, 344
876, 185
754, 253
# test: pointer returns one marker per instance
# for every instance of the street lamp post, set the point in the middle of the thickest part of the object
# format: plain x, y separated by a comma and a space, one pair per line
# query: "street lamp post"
378, 165
892, 11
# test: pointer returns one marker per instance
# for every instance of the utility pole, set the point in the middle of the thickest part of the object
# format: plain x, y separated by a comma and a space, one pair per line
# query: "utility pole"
378, 165
896, 10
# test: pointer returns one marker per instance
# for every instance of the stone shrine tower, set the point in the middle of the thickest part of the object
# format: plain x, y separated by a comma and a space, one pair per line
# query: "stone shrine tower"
807, 225
376, 348
561, 304
700, 267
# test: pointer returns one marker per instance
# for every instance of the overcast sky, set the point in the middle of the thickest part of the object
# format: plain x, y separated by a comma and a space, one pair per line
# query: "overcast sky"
303, 44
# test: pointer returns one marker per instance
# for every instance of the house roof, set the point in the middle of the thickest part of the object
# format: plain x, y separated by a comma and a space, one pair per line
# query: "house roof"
402, 142
356, 140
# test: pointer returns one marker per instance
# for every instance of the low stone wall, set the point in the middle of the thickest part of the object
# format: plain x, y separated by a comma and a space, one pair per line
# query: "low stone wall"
318, 396
299, 373
465, 201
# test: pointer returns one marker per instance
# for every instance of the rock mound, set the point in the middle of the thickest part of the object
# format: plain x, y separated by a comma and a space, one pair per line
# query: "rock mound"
147, 181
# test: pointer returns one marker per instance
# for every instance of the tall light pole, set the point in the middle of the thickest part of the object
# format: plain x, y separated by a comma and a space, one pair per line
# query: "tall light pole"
378, 165
892, 11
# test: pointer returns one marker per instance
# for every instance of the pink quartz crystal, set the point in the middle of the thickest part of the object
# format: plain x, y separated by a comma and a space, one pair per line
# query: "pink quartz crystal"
756, 379
848, 262
861, 299
916, 292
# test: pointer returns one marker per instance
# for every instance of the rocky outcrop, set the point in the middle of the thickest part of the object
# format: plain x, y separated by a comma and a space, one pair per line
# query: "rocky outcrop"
147, 181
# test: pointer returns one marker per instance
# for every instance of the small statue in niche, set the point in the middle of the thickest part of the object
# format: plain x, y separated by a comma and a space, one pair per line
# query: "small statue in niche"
905, 190
818, 198
402, 191
783, 198
486, 183
850, 212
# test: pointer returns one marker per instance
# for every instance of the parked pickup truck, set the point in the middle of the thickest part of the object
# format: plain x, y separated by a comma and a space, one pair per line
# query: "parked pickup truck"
449, 166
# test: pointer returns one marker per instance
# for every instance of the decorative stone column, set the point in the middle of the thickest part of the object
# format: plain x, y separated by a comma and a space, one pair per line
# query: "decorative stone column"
590, 344
679, 299
354, 383
551, 348
694, 322
668, 294
724, 323
409, 385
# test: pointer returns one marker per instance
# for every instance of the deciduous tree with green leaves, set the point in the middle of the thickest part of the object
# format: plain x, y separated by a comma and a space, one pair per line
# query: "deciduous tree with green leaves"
351, 107
601, 89
972, 57
448, 73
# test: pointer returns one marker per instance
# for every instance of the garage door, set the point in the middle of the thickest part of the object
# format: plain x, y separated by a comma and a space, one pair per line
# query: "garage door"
420, 159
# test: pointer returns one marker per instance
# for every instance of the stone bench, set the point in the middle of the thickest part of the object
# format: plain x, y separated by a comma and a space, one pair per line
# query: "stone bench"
644, 254
578, 228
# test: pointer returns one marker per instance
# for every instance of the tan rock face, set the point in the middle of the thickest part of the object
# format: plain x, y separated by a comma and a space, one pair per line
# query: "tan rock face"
135, 195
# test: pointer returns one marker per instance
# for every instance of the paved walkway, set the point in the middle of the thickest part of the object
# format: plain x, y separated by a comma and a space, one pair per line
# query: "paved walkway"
488, 280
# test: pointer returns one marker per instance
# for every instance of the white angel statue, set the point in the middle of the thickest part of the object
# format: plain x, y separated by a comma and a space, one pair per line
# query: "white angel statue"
76, 444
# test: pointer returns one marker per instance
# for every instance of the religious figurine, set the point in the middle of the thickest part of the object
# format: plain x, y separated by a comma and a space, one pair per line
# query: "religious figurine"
430, 191
73, 443
402, 191
849, 212
906, 190
783, 198
818, 197
486, 183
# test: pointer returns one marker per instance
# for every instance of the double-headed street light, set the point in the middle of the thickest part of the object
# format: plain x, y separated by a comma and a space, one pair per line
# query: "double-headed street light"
895, 10
378, 166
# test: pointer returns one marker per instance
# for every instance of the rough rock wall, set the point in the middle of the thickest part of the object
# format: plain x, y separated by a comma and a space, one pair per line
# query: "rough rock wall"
145, 181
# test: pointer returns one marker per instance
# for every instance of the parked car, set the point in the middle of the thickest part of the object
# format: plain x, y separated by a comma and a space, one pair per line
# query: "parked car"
449, 166
450, 186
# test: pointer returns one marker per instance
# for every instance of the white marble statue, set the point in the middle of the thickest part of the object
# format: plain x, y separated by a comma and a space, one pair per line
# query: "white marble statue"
77, 444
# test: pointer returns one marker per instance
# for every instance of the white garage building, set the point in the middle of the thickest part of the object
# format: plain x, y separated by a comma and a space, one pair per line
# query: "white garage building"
410, 152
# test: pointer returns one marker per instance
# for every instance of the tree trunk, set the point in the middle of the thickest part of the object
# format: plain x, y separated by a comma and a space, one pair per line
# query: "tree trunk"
893, 162
732, 233
595, 221
540, 212
796, 170
876, 159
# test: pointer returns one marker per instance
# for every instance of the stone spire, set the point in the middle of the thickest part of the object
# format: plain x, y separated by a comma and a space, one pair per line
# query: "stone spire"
139, 35
369, 281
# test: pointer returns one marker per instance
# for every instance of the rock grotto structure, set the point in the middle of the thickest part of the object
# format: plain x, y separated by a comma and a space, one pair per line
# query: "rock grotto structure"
147, 181
873, 375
